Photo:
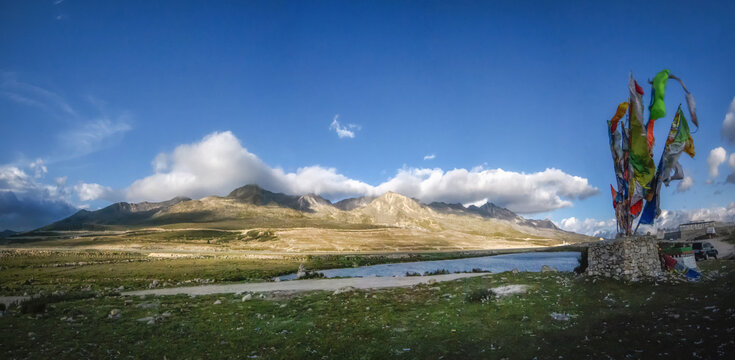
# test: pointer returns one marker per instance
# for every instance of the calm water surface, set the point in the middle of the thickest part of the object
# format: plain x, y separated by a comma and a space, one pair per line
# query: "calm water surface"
561, 261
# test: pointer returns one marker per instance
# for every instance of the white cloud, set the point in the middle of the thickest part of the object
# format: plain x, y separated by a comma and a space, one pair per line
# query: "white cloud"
39, 168
89, 134
430, 157
685, 184
667, 220
26, 204
343, 131
477, 203
520, 192
31, 95
728, 124
61, 181
94, 135
671, 219
716, 157
14, 179
218, 164
592, 227
87, 192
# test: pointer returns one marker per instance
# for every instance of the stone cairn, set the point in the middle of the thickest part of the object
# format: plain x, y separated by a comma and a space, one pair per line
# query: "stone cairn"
302, 271
630, 258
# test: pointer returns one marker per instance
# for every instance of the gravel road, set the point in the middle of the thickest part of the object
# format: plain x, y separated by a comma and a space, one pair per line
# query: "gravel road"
725, 249
305, 285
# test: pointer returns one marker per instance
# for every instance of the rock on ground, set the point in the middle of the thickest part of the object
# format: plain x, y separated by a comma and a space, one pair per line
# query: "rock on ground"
114, 314
509, 290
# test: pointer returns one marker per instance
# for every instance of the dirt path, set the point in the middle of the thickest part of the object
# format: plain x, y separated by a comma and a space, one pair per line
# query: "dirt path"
305, 285
10, 300
724, 249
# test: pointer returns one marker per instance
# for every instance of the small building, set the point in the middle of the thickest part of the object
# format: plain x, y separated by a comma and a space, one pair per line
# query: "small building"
694, 229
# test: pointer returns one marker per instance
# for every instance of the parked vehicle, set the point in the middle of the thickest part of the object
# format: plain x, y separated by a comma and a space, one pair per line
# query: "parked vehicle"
704, 250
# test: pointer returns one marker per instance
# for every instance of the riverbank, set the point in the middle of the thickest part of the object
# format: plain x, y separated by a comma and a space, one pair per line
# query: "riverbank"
30, 271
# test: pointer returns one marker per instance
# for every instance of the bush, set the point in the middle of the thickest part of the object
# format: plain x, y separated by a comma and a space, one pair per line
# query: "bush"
411, 273
37, 305
313, 275
437, 272
480, 296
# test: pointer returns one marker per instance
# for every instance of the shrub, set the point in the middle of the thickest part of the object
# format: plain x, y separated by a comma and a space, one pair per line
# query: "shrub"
437, 272
37, 305
480, 296
313, 275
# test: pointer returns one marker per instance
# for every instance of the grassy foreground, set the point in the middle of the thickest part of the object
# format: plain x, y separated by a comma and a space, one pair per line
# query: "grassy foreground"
606, 319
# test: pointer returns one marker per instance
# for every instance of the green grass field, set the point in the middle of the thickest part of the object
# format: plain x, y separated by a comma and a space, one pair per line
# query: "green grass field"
608, 319
31, 271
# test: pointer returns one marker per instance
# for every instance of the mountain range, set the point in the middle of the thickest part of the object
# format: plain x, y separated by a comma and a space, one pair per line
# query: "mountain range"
310, 222
390, 207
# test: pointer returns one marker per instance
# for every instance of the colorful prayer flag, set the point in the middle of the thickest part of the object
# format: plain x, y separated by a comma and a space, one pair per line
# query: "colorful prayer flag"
641, 160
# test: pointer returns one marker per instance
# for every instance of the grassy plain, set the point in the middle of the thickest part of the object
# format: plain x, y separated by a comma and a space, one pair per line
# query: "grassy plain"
607, 319
30, 271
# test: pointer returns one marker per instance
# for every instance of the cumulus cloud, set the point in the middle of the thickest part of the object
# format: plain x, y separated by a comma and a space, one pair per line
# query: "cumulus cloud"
61, 181
87, 192
716, 157
728, 124
343, 131
685, 184
26, 204
39, 168
521, 192
591, 227
667, 220
429, 157
671, 219
219, 163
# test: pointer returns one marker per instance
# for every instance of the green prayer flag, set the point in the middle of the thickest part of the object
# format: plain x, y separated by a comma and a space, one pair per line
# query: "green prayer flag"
658, 108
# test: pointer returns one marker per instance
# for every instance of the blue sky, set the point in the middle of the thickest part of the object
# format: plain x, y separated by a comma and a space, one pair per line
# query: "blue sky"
97, 90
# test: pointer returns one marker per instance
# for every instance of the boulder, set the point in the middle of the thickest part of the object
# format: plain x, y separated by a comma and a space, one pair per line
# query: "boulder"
343, 290
509, 290
114, 314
